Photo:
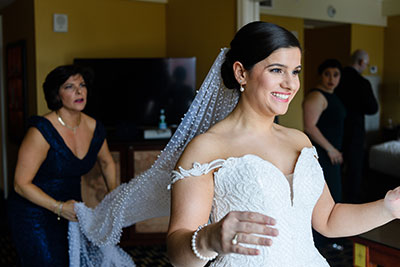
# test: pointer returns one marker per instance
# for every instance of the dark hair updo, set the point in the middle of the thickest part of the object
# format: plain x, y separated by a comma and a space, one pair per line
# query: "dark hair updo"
58, 77
253, 43
329, 63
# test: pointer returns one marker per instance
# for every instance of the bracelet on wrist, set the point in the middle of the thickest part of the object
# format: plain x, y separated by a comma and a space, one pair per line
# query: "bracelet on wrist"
58, 209
194, 248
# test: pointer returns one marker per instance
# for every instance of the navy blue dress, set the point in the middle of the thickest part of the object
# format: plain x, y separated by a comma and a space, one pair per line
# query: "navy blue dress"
41, 239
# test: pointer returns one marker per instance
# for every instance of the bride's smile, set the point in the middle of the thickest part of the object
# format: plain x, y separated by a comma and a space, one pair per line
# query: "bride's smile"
273, 82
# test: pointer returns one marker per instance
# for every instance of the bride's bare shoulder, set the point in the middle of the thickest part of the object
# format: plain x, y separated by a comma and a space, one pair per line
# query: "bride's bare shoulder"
297, 137
203, 148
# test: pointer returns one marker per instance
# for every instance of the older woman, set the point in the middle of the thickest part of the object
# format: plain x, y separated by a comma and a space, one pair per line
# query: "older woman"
57, 150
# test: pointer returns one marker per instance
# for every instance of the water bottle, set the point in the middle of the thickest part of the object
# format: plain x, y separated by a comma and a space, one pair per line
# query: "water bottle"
162, 125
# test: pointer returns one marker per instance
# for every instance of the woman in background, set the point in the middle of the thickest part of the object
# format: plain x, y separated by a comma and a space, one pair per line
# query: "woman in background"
57, 150
323, 118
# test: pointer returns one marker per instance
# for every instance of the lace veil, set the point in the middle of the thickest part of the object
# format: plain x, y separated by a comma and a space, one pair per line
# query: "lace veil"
93, 240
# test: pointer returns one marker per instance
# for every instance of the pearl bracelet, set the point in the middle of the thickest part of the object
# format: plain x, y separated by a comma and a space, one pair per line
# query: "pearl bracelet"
195, 251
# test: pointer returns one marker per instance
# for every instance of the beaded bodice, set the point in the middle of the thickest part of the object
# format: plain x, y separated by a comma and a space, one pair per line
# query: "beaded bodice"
250, 183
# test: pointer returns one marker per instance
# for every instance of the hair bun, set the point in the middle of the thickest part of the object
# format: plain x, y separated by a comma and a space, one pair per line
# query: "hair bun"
227, 74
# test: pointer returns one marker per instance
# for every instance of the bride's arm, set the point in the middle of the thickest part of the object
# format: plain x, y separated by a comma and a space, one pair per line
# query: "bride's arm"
191, 204
191, 201
339, 220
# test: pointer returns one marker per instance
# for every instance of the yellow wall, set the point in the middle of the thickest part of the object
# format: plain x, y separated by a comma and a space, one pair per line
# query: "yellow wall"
200, 29
294, 117
371, 39
391, 74
96, 28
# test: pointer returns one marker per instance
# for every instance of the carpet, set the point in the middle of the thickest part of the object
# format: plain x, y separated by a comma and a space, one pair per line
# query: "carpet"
156, 256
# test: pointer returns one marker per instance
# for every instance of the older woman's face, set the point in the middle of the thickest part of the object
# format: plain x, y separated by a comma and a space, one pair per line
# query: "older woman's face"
330, 78
73, 93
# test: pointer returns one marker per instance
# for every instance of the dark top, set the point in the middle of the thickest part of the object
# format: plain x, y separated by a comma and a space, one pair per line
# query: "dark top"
358, 98
331, 123
331, 120
41, 239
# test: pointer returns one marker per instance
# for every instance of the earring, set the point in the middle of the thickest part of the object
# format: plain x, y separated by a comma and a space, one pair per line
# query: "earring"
241, 88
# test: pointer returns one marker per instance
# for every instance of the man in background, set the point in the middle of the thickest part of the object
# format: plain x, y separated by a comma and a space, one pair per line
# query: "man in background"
357, 96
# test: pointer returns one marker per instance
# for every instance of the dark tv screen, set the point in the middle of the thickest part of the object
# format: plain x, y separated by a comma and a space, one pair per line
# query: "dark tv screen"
128, 93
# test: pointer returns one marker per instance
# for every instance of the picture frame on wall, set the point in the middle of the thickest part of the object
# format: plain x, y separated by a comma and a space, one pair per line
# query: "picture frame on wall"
16, 90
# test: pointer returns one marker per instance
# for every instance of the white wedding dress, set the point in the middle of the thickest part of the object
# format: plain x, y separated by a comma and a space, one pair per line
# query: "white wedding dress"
250, 183
245, 183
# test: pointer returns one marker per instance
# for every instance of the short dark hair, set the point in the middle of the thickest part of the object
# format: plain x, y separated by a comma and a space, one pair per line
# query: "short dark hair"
57, 77
329, 63
253, 43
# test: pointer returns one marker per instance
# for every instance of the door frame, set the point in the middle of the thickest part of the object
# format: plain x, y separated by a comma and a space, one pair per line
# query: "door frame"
3, 145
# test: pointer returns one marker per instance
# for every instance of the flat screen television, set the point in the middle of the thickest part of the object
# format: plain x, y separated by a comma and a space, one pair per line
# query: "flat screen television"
128, 94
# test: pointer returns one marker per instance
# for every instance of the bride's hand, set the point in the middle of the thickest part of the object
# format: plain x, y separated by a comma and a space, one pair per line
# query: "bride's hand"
242, 227
392, 202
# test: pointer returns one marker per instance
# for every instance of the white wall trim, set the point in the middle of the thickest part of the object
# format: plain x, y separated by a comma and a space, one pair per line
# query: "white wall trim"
247, 11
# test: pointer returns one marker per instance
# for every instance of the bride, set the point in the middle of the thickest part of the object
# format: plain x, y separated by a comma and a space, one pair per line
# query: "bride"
248, 191
257, 184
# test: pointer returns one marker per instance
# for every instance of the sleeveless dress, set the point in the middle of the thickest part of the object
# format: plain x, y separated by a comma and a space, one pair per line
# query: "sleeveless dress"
331, 123
250, 183
41, 239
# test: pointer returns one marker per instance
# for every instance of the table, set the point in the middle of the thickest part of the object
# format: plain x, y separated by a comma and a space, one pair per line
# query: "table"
380, 246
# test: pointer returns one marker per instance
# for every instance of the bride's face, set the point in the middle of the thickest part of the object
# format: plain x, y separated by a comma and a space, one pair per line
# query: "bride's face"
273, 82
